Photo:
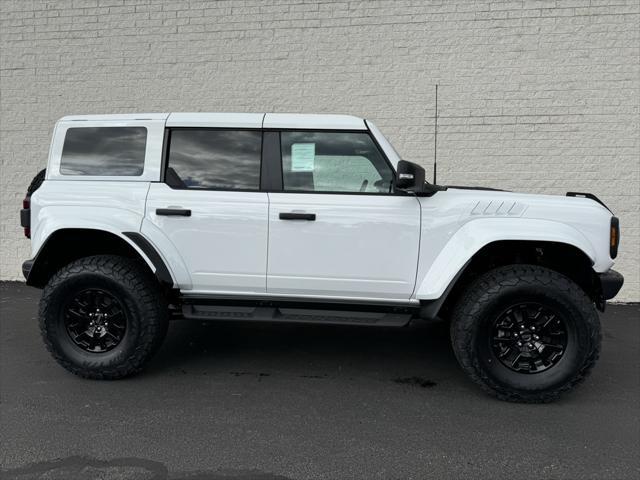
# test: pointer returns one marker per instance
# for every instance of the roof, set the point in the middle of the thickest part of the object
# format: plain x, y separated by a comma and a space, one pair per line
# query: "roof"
236, 120
115, 117
313, 121
233, 120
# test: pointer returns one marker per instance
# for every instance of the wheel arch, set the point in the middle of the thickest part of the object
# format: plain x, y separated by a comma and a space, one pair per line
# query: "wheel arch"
477, 234
65, 245
564, 258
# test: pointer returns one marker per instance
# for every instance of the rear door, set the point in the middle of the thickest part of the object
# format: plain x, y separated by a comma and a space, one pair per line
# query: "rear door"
336, 229
209, 210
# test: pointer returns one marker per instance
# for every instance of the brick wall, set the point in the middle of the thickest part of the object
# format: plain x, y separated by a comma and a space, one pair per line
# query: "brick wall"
535, 95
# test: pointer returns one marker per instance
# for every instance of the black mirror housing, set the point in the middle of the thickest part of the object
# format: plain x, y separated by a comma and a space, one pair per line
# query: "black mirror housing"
410, 177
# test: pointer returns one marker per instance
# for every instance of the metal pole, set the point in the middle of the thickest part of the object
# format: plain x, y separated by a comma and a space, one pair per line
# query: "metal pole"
435, 140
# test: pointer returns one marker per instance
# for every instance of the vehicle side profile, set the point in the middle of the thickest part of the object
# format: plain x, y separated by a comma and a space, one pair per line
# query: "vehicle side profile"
140, 218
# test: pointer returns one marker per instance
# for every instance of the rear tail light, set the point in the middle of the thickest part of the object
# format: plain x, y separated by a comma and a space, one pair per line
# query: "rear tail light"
25, 216
614, 237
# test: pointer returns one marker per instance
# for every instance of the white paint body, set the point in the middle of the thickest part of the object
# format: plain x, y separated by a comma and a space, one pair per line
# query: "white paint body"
223, 244
394, 248
360, 246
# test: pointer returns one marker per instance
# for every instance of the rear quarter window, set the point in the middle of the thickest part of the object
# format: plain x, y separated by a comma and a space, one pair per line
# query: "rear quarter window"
104, 151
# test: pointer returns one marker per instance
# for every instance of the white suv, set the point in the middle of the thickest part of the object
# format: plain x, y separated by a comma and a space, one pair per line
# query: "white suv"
305, 218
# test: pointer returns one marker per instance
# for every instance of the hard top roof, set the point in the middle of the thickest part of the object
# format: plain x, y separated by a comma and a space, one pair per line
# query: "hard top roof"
235, 120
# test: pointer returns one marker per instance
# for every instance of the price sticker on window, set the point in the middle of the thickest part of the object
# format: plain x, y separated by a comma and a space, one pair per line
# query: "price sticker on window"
302, 157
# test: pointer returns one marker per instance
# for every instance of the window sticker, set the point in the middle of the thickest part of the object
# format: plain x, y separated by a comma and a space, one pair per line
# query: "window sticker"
302, 157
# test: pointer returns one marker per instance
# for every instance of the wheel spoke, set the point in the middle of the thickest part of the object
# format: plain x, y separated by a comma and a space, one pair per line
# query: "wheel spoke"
114, 337
506, 352
503, 339
78, 315
115, 315
548, 321
515, 359
517, 314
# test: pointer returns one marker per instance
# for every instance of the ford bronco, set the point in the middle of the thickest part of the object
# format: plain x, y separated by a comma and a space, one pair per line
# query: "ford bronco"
140, 218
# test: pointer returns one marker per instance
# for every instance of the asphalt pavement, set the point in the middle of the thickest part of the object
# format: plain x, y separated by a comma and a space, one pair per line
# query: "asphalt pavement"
267, 402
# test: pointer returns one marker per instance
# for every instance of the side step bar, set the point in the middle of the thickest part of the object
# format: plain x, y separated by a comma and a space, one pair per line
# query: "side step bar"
293, 314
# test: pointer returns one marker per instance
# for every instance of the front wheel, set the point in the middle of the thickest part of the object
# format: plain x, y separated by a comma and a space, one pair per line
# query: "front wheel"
103, 317
525, 333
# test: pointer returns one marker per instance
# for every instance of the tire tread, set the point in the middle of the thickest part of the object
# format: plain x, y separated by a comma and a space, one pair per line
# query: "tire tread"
483, 290
135, 278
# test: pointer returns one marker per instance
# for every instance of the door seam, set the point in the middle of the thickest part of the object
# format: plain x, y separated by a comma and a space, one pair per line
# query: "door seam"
415, 283
144, 210
266, 271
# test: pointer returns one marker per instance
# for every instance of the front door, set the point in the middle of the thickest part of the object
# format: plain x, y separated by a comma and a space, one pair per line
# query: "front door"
337, 230
210, 208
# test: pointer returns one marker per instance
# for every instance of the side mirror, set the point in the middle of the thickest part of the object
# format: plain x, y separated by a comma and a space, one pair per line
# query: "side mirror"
410, 177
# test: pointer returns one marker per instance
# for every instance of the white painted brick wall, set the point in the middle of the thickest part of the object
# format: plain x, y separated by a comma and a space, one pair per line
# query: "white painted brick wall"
536, 95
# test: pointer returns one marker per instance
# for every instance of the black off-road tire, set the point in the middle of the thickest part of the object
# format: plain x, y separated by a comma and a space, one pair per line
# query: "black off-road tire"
498, 290
140, 298
36, 182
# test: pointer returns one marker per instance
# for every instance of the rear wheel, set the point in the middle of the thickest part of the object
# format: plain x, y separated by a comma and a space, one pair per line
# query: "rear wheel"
103, 317
525, 333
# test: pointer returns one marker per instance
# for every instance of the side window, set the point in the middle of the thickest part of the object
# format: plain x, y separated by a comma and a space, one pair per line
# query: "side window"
104, 151
333, 162
200, 158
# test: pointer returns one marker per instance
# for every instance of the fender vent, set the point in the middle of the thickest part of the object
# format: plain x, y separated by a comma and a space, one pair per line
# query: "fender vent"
496, 208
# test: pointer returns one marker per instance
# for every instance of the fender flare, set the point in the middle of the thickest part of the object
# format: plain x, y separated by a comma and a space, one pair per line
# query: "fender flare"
476, 234
139, 244
162, 271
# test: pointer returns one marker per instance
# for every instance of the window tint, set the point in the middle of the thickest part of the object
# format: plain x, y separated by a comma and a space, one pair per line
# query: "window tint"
214, 159
333, 162
104, 151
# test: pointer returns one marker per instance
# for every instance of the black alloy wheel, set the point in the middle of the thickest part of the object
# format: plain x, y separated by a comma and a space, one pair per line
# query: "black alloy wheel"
95, 320
529, 338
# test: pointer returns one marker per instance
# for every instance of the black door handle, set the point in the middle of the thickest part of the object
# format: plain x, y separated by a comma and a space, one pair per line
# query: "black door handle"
179, 212
297, 216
